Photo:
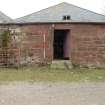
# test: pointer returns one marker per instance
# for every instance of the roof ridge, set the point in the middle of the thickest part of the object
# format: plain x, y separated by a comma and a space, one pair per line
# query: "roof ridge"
58, 5
40, 10
6, 15
84, 9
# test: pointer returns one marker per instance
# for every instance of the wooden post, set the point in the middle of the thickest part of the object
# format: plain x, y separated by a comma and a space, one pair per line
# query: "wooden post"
44, 39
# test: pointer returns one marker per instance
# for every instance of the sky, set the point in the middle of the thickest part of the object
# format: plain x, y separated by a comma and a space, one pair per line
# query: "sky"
19, 8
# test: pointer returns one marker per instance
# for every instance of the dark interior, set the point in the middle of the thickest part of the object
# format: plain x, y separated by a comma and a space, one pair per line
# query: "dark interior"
59, 41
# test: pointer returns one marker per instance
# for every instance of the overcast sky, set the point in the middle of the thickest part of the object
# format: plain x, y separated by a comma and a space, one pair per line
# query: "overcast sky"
18, 8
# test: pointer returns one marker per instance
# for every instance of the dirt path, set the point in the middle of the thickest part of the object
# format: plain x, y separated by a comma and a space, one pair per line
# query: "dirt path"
52, 94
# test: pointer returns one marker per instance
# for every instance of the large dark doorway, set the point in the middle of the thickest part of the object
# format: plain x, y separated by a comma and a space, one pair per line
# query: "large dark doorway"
61, 44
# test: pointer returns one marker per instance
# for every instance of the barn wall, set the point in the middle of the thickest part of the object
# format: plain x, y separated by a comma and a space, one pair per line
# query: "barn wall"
27, 44
34, 49
87, 43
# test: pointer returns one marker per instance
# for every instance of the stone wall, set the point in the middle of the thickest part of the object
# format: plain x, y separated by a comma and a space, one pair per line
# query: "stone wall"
34, 48
33, 43
88, 45
10, 55
29, 45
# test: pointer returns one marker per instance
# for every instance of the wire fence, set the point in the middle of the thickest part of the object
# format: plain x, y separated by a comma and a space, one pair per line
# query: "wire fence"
9, 57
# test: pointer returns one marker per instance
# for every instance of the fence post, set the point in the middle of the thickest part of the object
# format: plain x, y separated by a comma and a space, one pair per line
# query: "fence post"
44, 39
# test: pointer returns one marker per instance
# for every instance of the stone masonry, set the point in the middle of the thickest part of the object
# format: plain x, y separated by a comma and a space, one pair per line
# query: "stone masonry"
87, 43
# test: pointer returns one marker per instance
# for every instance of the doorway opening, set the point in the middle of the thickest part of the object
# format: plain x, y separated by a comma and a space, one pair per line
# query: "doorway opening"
61, 44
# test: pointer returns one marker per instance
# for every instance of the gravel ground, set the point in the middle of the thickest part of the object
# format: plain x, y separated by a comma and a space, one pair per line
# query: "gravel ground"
52, 94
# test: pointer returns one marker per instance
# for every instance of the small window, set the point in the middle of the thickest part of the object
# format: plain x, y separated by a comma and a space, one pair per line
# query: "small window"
66, 17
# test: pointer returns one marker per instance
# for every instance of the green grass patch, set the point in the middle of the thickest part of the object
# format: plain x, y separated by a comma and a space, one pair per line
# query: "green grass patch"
53, 75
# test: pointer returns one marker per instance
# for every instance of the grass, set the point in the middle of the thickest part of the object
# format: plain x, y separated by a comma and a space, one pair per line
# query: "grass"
46, 74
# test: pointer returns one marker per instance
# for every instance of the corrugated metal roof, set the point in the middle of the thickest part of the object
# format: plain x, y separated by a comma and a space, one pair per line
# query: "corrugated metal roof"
4, 18
56, 13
